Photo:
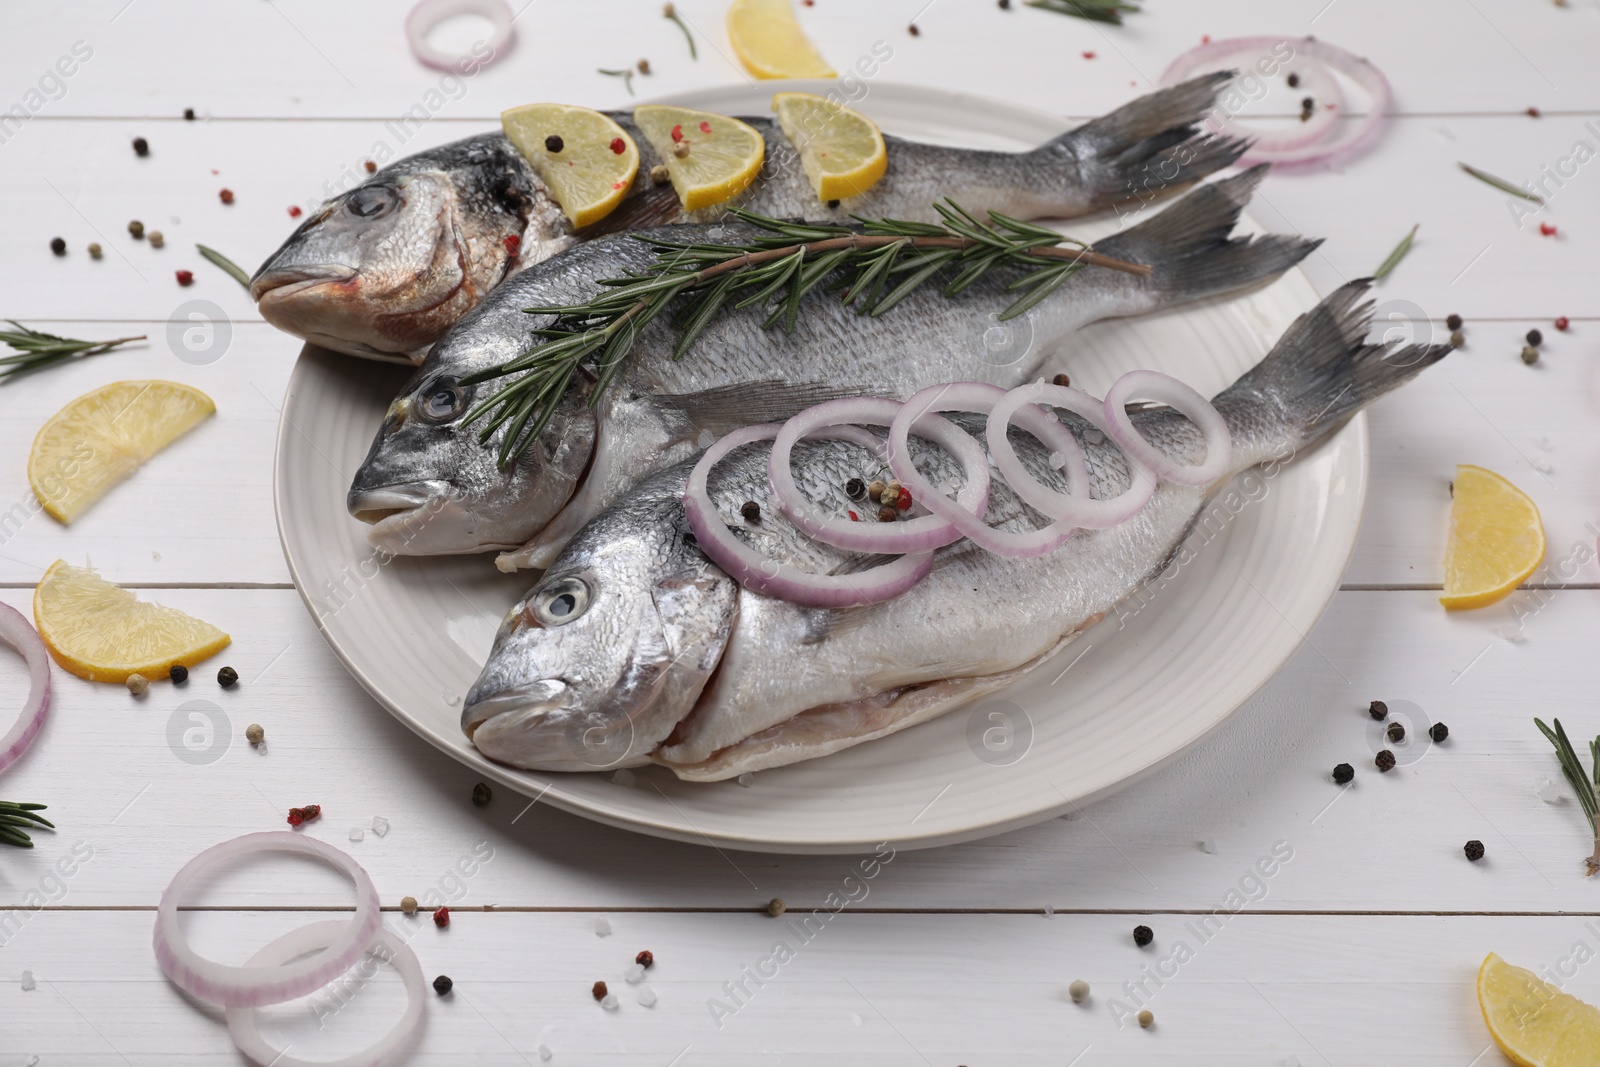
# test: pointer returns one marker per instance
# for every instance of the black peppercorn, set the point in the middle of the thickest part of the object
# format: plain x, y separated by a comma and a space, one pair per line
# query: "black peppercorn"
1384, 761
141, 147
1453, 322
58, 246
227, 677
1535, 338
1474, 850
482, 794
1396, 732
1378, 710
179, 674
1438, 731
1344, 773
188, 114
1307, 104
1061, 380
913, 30
855, 489
751, 511
1294, 80
554, 143
832, 204
1005, 5
1143, 935
442, 984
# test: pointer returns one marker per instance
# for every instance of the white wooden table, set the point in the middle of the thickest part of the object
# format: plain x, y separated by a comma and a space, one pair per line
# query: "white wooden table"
1360, 949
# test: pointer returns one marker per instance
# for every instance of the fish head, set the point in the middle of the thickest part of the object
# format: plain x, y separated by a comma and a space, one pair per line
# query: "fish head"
609, 652
431, 486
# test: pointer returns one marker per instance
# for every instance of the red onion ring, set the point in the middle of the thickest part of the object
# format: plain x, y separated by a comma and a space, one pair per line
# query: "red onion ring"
252, 986
923, 533
18, 632
1182, 399
427, 15
1292, 149
980, 398
1073, 508
771, 577
243, 1024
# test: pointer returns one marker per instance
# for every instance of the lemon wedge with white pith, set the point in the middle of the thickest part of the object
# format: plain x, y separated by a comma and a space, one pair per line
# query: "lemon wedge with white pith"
768, 40
1496, 540
102, 437
1533, 1022
841, 150
104, 633
588, 161
710, 158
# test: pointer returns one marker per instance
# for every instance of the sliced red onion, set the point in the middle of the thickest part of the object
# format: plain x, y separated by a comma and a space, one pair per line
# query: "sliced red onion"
18, 632
980, 398
252, 986
243, 1024
1073, 508
1152, 385
422, 19
924, 533
1313, 59
777, 579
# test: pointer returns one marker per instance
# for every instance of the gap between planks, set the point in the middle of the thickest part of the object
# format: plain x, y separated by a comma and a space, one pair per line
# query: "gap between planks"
1544, 113
647, 909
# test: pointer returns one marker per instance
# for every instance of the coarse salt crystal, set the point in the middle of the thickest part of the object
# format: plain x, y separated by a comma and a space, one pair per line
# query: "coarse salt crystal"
609, 1002
1209, 846
380, 825
624, 777
1049, 912
746, 778
647, 996
27, 980
1548, 791
602, 927
634, 974
544, 1051
1515, 634
356, 833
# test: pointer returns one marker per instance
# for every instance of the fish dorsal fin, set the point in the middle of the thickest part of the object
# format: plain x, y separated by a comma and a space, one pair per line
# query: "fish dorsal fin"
657, 205
726, 408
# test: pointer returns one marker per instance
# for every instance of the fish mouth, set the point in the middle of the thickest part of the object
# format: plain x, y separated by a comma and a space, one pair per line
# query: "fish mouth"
285, 283
385, 503
525, 702
530, 726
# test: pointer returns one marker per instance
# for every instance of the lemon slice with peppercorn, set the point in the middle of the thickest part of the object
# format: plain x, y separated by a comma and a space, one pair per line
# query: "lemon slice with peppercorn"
101, 438
587, 160
104, 633
710, 158
1533, 1022
768, 40
841, 150
1496, 540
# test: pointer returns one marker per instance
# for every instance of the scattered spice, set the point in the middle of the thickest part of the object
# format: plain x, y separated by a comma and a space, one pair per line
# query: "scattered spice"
855, 489
179, 674
776, 907
254, 733
751, 511
1530, 355
408, 905
644, 66
1293, 80
833, 204
670, 12
1535, 338
442, 985
887, 513
1501, 184
372, 168
141, 147
554, 143
156, 238
225, 195
188, 114
619, 146
1533, 112
1147, 1019
1143, 935
903, 502
1088, 55
681, 150
626, 74
513, 245
1396, 732
599, 990
58, 246
1474, 850
875, 489
1394, 258
1384, 761
645, 959
482, 794
227, 677
294, 211
297, 816
1546, 229
136, 229
185, 277
912, 29
677, 133
1344, 774
659, 175
441, 918
1452, 322
1061, 380
1438, 731
853, 516
1378, 710
138, 684
705, 127
1457, 339
1561, 323
95, 252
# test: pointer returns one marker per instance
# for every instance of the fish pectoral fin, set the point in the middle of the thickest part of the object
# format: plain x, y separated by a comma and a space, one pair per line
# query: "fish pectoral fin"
657, 205
726, 408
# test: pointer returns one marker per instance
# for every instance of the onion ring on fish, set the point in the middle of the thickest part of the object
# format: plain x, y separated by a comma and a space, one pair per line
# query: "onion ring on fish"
428, 14
16, 631
771, 577
243, 1025
1316, 60
924, 533
980, 398
1182, 399
254, 986
1076, 509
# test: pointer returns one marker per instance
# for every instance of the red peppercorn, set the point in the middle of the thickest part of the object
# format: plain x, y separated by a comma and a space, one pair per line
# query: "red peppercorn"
1088, 55
1533, 112
441, 918
903, 501
618, 145
305, 814
513, 245
1547, 229
645, 959
705, 127
372, 168
1562, 323
226, 195
1205, 38
294, 211
853, 516
677, 134
185, 277
598, 991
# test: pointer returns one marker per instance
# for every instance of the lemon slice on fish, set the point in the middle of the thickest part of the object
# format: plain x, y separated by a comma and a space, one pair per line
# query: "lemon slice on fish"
587, 160
768, 40
841, 150
1533, 1022
104, 633
710, 158
1496, 540
102, 437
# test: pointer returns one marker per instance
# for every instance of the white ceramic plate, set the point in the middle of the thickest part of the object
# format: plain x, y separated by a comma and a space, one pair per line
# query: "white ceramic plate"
1126, 697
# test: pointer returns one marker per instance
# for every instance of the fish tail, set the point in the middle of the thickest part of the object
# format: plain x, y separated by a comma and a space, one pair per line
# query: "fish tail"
1150, 146
1191, 254
1322, 370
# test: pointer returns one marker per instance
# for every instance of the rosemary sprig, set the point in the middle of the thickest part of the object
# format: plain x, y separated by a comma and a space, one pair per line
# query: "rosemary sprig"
1399, 253
37, 350
670, 12
1093, 10
1585, 785
889, 258
626, 75
17, 819
1500, 183
233, 269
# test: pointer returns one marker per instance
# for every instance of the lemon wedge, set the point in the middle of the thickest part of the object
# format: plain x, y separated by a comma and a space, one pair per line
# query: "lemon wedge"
1496, 540
841, 150
102, 437
587, 160
104, 633
1533, 1022
710, 158
768, 40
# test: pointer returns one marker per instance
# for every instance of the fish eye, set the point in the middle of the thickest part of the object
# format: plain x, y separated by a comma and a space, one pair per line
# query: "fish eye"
372, 201
560, 602
441, 400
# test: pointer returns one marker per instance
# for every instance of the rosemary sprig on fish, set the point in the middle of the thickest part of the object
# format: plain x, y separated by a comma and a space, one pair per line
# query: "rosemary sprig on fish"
891, 259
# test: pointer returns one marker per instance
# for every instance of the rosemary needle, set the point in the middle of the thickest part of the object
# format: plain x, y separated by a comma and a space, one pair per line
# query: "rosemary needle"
17, 819
233, 269
625, 75
1094, 10
1500, 183
672, 13
1396, 256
